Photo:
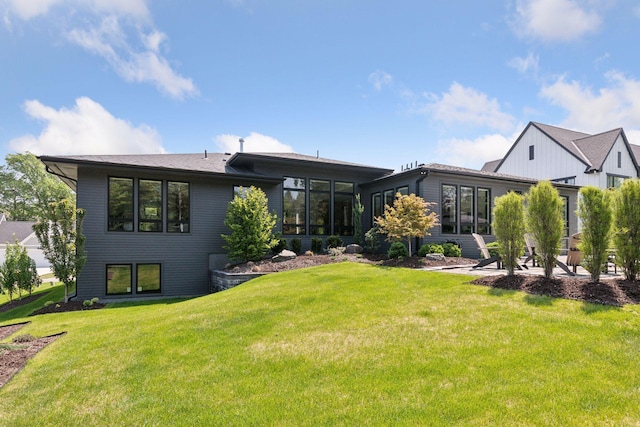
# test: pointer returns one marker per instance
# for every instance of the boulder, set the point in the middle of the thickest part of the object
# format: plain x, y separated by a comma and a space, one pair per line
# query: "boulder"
353, 249
435, 257
284, 256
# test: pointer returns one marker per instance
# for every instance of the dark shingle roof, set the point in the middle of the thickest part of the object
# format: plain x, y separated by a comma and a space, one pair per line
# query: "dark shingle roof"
238, 164
597, 147
20, 229
565, 138
491, 166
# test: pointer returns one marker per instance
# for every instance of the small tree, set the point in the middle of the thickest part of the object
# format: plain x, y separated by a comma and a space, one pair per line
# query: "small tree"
626, 227
594, 210
62, 241
251, 226
408, 217
508, 225
545, 222
358, 210
9, 271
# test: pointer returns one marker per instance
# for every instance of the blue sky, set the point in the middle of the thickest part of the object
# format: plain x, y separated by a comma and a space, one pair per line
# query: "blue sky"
375, 82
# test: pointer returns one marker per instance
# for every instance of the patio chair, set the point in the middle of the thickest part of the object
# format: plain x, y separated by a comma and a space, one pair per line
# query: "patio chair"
484, 251
574, 255
530, 242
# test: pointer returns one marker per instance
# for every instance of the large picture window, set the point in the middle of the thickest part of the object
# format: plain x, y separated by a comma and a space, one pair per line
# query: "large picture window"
120, 204
148, 278
467, 207
615, 181
294, 206
118, 279
388, 197
149, 205
484, 211
404, 190
178, 202
319, 207
343, 208
376, 206
449, 205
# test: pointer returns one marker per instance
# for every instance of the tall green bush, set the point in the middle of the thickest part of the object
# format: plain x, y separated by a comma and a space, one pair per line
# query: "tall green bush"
509, 228
372, 240
545, 221
316, 245
251, 226
626, 227
595, 213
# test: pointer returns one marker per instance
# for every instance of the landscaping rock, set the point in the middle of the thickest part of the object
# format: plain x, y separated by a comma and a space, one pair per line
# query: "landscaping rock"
353, 249
285, 255
435, 257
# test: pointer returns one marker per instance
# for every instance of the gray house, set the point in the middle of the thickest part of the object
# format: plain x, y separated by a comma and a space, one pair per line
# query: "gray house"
153, 223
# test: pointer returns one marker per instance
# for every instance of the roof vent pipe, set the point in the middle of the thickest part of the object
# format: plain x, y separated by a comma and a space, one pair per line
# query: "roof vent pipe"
205, 154
241, 145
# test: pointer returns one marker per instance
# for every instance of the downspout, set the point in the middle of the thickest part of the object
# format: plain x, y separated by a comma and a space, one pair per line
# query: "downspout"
423, 174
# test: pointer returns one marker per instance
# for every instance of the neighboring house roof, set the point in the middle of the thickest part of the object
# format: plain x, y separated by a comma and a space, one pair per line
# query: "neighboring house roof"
565, 138
440, 168
12, 230
225, 164
591, 150
597, 147
491, 166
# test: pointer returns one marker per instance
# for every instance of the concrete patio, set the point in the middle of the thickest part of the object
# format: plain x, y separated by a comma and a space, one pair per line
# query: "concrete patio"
492, 270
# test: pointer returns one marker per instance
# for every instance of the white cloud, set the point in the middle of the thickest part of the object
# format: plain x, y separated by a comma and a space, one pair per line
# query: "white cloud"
465, 105
255, 142
132, 49
530, 64
146, 66
617, 105
379, 78
555, 20
473, 153
27, 9
87, 128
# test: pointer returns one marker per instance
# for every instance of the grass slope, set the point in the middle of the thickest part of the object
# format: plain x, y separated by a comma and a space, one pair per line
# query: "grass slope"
345, 344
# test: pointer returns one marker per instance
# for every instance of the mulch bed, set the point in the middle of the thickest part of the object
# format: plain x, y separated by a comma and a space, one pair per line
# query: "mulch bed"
14, 358
615, 292
18, 302
63, 307
302, 261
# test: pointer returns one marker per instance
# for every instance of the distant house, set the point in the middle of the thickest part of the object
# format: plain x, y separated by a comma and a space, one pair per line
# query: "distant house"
22, 232
153, 223
561, 155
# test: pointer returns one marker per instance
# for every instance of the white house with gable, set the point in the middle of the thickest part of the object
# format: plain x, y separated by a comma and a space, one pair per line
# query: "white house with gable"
548, 152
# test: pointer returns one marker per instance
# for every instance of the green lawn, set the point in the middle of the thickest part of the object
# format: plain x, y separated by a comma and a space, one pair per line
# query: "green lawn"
343, 344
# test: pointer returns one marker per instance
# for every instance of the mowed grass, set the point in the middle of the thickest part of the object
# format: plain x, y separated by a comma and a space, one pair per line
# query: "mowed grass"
342, 344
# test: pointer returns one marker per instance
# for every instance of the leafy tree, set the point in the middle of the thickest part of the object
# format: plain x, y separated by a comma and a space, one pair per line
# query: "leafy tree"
544, 220
626, 227
408, 217
251, 226
358, 210
62, 241
18, 272
26, 188
509, 227
594, 210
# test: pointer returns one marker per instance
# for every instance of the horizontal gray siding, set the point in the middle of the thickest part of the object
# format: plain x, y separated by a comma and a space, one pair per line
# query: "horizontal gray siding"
184, 258
430, 190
